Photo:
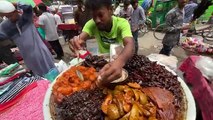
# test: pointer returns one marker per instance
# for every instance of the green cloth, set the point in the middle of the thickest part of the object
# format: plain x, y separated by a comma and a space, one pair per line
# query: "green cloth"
41, 32
119, 31
8, 69
28, 2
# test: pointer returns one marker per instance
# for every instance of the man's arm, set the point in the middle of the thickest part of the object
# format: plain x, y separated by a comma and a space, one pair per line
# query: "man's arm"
41, 22
127, 52
169, 22
113, 70
3, 36
142, 15
128, 43
27, 11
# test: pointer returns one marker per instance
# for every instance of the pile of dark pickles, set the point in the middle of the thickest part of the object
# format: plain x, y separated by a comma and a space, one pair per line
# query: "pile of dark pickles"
150, 74
81, 105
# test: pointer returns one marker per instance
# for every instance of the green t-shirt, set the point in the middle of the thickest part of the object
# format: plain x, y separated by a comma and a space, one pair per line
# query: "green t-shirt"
120, 30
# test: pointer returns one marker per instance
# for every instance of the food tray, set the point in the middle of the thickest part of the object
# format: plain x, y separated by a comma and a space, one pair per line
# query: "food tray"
190, 103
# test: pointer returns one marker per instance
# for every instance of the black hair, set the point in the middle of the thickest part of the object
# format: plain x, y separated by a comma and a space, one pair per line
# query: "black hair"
42, 7
97, 4
132, 2
126, 2
80, 2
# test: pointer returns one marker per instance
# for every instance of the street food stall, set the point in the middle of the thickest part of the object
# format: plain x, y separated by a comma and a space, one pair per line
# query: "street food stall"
148, 90
69, 30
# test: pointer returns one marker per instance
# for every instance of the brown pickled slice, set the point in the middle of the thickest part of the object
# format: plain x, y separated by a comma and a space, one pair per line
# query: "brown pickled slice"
163, 98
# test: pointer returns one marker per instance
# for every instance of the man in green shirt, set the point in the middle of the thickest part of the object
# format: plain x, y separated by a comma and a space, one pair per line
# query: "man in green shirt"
107, 29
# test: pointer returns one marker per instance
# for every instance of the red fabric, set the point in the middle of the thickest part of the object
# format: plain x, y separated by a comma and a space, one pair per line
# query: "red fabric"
10, 79
18, 97
201, 90
37, 1
68, 27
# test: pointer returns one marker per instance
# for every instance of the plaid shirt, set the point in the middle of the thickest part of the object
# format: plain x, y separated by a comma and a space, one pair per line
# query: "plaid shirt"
174, 22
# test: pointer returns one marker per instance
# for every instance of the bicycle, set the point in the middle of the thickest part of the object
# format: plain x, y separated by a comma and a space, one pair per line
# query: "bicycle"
160, 31
206, 32
144, 28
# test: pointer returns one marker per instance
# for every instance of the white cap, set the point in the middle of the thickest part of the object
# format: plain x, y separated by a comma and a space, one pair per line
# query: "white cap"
6, 7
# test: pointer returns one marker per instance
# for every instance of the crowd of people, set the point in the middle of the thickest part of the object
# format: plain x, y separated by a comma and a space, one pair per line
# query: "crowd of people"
34, 31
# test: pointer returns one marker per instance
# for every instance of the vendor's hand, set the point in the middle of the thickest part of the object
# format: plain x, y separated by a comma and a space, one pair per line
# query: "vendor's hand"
109, 72
76, 44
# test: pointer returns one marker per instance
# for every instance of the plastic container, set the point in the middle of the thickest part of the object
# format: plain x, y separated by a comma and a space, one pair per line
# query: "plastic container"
92, 46
52, 74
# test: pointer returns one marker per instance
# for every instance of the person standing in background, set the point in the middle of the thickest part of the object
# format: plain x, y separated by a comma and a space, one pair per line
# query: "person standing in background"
189, 10
6, 55
127, 11
137, 18
81, 16
48, 23
174, 22
56, 16
19, 27
147, 4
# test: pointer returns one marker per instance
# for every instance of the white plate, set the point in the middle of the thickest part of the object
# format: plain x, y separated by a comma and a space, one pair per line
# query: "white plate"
122, 78
190, 113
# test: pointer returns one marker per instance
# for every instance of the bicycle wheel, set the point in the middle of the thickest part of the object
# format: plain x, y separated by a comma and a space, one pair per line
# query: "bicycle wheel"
208, 34
160, 31
143, 29
149, 24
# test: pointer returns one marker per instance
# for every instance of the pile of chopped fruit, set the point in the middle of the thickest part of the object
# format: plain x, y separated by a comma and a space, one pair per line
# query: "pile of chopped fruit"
70, 82
128, 102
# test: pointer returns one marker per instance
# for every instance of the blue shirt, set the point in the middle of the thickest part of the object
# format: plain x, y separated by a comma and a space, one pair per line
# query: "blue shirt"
189, 10
146, 4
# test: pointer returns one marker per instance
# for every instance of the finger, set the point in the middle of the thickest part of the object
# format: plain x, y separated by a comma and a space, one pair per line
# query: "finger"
78, 42
105, 68
98, 82
71, 48
114, 76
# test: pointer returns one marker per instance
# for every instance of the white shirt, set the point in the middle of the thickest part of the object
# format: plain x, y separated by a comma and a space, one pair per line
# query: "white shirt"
57, 19
117, 10
49, 23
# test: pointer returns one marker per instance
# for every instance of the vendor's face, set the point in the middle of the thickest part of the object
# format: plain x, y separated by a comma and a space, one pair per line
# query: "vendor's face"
102, 18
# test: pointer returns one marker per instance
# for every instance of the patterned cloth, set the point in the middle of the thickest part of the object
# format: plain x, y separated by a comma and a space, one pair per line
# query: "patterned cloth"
30, 107
13, 88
